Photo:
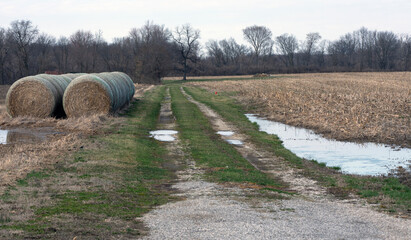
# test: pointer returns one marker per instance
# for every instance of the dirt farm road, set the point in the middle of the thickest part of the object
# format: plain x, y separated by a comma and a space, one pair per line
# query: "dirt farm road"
215, 211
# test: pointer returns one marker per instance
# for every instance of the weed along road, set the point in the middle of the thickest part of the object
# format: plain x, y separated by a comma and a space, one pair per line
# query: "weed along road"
185, 163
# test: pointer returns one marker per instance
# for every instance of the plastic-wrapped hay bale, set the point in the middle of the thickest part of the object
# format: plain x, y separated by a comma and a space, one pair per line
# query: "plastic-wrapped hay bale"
36, 96
87, 95
129, 82
60, 82
100, 93
72, 76
118, 88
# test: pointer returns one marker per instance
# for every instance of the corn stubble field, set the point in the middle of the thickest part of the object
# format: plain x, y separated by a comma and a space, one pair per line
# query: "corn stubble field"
346, 106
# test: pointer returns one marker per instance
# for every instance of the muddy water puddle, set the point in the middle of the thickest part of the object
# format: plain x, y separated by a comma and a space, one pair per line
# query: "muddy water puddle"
164, 135
22, 135
363, 159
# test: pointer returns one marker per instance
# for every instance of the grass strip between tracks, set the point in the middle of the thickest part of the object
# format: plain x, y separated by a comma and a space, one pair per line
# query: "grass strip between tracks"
220, 159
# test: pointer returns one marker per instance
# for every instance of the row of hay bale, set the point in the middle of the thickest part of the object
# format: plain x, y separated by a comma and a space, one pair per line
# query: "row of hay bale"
73, 95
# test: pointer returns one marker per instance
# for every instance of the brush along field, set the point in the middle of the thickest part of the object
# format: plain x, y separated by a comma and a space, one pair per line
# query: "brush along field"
346, 106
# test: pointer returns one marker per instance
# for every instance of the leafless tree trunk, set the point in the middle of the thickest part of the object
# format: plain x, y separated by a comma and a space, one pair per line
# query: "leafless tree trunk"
186, 38
3, 55
42, 47
310, 46
385, 48
81, 44
406, 50
287, 45
260, 39
23, 34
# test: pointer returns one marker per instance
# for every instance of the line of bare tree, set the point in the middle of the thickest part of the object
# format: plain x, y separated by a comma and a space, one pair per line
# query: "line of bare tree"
152, 51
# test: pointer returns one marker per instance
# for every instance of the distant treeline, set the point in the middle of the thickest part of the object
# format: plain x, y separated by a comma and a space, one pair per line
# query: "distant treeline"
152, 51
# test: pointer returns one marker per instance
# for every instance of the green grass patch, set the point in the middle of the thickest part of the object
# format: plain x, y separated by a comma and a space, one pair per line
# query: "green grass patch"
31, 177
223, 162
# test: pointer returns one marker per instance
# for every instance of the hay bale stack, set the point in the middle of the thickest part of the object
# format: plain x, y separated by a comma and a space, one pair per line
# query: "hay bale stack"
37, 96
101, 93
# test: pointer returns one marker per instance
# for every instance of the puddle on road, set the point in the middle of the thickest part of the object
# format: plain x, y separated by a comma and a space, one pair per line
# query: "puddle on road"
21, 135
234, 142
163, 135
225, 133
363, 159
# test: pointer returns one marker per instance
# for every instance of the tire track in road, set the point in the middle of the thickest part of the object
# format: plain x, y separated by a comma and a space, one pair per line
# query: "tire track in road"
260, 159
214, 211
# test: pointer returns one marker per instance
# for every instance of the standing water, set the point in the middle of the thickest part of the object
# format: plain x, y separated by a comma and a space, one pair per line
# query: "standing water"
3, 136
22, 135
363, 159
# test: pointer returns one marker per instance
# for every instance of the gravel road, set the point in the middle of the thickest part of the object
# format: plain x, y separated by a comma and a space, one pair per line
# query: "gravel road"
212, 211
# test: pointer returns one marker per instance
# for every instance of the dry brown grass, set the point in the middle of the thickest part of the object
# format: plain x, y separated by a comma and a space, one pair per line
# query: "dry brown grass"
207, 77
347, 106
16, 160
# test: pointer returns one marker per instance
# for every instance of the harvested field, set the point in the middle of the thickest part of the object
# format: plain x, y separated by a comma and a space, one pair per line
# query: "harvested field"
346, 106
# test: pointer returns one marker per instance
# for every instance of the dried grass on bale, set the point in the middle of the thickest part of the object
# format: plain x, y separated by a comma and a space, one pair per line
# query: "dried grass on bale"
118, 90
87, 95
36, 96
101, 93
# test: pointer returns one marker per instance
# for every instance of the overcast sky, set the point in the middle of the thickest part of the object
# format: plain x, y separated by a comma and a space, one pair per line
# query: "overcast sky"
216, 19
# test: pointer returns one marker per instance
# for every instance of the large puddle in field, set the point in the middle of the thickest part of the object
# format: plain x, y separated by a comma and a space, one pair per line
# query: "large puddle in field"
21, 135
363, 159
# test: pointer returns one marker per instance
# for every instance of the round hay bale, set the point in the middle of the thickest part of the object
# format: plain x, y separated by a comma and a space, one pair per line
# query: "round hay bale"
32, 96
60, 83
116, 88
129, 82
87, 95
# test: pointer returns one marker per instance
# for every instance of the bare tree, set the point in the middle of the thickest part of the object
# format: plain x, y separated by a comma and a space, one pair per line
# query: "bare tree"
310, 46
81, 50
232, 50
61, 54
342, 51
405, 50
386, 45
42, 48
3, 55
287, 45
152, 52
260, 39
23, 34
186, 39
214, 50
